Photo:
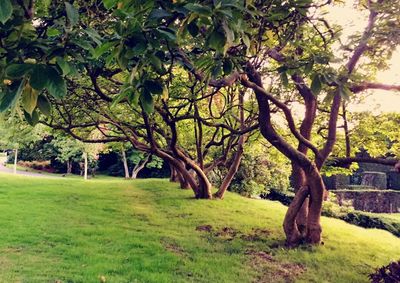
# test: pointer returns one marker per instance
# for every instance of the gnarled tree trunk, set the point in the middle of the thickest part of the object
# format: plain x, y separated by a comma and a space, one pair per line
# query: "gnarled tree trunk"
232, 169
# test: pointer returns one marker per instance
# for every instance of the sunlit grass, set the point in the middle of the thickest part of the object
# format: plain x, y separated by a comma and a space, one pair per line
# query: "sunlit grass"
145, 231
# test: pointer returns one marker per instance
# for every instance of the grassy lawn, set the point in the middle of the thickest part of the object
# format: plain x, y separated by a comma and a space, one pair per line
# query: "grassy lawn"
56, 230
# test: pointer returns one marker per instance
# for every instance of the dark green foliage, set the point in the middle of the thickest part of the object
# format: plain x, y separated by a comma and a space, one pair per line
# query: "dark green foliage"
362, 219
387, 274
281, 196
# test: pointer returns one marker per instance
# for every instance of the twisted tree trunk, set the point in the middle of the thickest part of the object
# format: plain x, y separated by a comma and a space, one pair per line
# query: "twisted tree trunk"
232, 169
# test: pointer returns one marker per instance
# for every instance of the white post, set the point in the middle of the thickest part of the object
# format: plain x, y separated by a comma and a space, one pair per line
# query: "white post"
15, 160
86, 165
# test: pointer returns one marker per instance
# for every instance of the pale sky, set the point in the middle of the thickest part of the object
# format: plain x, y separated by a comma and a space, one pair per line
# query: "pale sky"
379, 101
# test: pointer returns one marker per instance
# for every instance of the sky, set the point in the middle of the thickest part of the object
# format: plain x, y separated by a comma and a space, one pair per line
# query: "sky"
379, 101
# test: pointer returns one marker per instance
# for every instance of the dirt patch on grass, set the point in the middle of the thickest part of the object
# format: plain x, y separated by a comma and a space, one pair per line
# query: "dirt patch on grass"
229, 233
272, 270
225, 233
205, 228
257, 234
173, 247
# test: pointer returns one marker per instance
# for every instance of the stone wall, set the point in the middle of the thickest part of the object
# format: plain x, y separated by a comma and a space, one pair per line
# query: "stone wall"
393, 179
380, 180
374, 179
372, 201
336, 182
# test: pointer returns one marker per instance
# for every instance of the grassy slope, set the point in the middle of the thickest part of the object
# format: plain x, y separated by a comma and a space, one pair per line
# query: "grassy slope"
145, 231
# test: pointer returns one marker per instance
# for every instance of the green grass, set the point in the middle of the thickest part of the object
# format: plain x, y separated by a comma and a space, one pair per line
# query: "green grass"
393, 216
145, 231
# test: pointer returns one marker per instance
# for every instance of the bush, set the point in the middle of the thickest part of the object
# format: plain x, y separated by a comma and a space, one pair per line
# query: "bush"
284, 197
387, 274
37, 165
260, 170
362, 219
247, 188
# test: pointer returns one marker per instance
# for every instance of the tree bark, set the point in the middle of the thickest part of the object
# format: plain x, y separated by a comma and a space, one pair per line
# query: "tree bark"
15, 161
179, 166
69, 166
298, 175
293, 234
238, 155
313, 178
85, 172
125, 163
173, 174
346, 130
232, 169
317, 192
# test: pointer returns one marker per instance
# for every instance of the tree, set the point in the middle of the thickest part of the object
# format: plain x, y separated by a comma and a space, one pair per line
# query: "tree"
381, 144
14, 134
69, 151
141, 160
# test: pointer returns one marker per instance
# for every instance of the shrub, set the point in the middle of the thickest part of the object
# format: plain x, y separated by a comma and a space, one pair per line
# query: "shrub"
37, 165
363, 219
387, 274
284, 197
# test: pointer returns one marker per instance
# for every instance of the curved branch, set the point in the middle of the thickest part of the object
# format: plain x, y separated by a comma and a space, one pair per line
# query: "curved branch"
286, 111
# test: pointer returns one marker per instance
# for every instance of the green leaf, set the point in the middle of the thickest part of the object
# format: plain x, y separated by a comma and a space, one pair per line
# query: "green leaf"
72, 14
124, 93
38, 79
6, 10
29, 99
55, 83
157, 63
147, 102
134, 98
344, 92
309, 66
100, 50
167, 33
316, 85
17, 71
44, 105
217, 40
53, 32
11, 96
64, 65
199, 9
155, 87
32, 119
216, 70
157, 14
110, 3
94, 35
284, 79
246, 40
227, 66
